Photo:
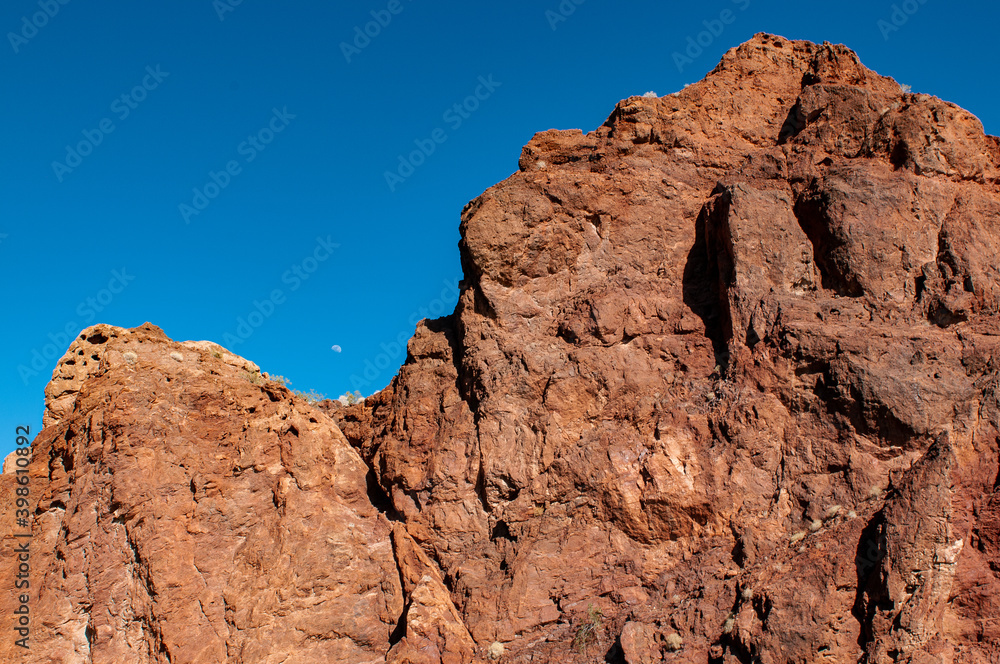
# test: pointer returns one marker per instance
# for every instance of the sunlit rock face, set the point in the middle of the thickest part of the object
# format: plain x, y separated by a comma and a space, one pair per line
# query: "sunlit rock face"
721, 387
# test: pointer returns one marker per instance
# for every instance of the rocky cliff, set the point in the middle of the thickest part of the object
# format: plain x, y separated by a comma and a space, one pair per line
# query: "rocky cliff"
721, 387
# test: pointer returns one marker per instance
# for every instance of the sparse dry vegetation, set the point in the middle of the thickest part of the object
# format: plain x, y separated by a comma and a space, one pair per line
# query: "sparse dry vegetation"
589, 631
312, 396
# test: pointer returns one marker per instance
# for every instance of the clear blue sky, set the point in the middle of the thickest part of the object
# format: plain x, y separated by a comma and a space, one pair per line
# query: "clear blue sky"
198, 87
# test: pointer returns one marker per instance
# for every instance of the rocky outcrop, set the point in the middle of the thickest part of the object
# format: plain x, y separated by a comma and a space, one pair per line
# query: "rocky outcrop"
193, 511
721, 387
723, 369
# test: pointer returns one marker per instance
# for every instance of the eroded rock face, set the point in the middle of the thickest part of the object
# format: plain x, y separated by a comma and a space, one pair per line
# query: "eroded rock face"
192, 511
726, 368
721, 387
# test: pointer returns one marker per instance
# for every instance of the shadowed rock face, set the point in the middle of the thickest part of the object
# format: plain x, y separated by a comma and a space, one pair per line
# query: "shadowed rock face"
721, 387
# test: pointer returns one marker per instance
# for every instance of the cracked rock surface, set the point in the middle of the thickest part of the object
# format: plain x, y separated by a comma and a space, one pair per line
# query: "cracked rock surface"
724, 369
191, 511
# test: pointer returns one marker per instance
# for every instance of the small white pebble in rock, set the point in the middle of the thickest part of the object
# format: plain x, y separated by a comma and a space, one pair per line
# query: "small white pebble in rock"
496, 651
130, 357
177, 356
852, 515
815, 525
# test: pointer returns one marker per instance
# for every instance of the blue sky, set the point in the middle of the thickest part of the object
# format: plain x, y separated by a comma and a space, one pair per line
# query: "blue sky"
277, 139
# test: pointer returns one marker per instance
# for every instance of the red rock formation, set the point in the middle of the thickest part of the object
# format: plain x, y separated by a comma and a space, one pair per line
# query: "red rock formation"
194, 512
696, 376
721, 387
